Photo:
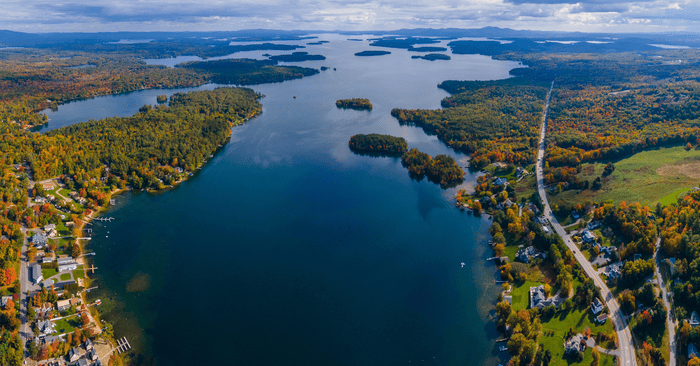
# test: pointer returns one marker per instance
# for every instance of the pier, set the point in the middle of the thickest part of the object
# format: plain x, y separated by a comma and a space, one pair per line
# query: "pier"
109, 219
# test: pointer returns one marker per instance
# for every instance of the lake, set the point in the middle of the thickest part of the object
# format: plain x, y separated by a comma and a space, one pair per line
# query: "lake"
288, 249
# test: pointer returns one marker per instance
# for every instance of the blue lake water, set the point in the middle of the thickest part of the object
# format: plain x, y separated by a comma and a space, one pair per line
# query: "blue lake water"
287, 248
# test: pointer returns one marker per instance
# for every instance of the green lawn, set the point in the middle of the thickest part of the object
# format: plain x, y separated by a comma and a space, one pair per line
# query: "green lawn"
49, 272
65, 276
646, 177
673, 196
510, 251
521, 294
79, 273
555, 328
67, 325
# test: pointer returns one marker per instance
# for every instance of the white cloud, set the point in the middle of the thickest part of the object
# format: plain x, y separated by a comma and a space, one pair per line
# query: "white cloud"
207, 15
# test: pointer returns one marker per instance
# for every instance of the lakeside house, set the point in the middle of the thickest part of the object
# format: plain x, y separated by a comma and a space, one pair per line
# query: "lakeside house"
538, 298
596, 306
524, 255
62, 305
36, 274
575, 344
500, 182
67, 264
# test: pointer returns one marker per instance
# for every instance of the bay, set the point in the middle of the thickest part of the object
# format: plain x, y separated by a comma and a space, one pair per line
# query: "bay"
288, 249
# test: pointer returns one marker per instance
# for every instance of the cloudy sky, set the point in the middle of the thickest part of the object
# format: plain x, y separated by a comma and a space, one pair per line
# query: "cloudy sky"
211, 15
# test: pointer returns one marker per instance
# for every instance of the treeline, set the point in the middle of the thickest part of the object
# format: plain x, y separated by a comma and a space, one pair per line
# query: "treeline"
375, 143
442, 169
247, 71
354, 103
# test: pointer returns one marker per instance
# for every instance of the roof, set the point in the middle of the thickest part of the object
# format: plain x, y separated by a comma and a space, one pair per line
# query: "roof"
36, 272
62, 303
692, 351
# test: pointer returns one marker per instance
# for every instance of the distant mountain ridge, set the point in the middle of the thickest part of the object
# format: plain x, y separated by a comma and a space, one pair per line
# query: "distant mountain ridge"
20, 39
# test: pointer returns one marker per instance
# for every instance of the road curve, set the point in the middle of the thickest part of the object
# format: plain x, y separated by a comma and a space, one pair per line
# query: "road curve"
624, 337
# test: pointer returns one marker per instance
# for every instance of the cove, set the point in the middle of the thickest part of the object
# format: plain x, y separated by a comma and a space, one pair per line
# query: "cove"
288, 249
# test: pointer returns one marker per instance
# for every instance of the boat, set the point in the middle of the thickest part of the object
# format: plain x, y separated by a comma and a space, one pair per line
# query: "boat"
503, 348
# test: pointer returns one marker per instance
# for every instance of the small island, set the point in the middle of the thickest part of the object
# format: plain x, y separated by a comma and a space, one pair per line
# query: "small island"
378, 144
433, 57
297, 57
162, 99
359, 104
372, 53
442, 169
427, 49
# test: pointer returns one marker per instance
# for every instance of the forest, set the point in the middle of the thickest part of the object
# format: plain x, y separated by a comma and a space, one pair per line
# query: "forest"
359, 104
297, 57
247, 71
442, 169
375, 143
492, 121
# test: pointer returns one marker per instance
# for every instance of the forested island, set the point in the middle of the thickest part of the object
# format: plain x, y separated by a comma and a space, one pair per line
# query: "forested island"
248, 71
442, 169
297, 57
380, 144
427, 49
372, 53
359, 104
433, 57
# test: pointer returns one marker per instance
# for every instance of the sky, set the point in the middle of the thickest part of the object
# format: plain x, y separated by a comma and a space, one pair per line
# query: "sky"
610, 16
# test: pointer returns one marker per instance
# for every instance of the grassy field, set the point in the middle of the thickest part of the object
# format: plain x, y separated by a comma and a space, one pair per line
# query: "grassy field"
646, 177
79, 273
67, 325
65, 277
49, 272
521, 294
556, 327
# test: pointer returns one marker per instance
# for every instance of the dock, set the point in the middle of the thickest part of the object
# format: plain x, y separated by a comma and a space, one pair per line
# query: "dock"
104, 219
123, 345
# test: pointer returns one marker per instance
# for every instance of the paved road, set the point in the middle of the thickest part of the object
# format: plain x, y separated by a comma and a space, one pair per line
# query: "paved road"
626, 350
670, 323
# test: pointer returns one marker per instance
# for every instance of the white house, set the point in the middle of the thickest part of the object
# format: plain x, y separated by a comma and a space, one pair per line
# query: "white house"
596, 306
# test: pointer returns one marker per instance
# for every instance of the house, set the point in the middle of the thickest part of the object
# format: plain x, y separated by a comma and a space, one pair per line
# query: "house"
672, 265
63, 305
47, 259
49, 227
36, 275
5, 300
39, 240
607, 249
575, 344
545, 229
92, 355
601, 318
596, 306
538, 299
593, 225
588, 236
66, 264
500, 182
76, 301
519, 172
524, 254
508, 298
694, 319
46, 327
73, 354
692, 351
81, 362
43, 309
88, 345
575, 215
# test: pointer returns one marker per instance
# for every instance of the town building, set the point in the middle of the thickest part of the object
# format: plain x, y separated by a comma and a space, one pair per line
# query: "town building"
36, 274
